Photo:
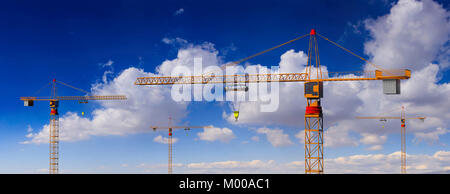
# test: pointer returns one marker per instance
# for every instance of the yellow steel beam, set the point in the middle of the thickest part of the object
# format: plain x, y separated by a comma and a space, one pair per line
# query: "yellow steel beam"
114, 97
277, 77
408, 118
180, 127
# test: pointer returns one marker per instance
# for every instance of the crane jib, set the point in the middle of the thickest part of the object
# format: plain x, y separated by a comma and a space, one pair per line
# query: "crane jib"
276, 77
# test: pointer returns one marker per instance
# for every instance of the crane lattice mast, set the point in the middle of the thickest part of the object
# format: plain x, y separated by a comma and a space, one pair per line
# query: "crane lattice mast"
169, 140
313, 80
403, 119
54, 117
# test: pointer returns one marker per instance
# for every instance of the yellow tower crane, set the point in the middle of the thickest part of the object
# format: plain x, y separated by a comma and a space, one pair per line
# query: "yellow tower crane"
402, 119
54, 116
169, 143
313, 80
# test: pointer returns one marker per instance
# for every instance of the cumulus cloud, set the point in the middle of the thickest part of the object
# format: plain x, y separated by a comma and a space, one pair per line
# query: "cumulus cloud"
354, 164
289, 104
334, 136
410, 36
413, 35
222, 167
389, 163
374, 139
29, 129
164, 140
276, 137
339, 136
179, 11
186, 55
107, 64
216, 134
174, 41
144, 106
431, 137
230, 164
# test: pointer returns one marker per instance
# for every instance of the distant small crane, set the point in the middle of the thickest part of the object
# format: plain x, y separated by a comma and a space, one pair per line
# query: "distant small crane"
54, 116
171, 128
403, 119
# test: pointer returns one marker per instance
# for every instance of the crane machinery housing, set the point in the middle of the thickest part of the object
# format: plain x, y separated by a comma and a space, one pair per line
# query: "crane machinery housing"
54, 116
313, 80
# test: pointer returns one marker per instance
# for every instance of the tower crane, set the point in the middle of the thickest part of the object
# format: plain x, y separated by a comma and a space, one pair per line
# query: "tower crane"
313, 80
403, 119
54, 116
169, 143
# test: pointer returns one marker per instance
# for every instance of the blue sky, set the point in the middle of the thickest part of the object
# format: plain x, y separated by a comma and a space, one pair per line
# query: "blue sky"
70, 41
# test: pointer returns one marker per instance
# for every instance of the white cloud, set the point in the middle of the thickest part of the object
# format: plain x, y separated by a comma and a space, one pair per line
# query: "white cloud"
390, 163
41, 171
158, 168
301, 136
339, 136
164, 140
216, 134
179, 11
290, 106
230, 164
107, 64
334, 136
186, 55
368, 138
276, 137
431, 137
255, 138
375, 148
29, 129
174, 41
355, 164
145, 106
396, 32
412, 35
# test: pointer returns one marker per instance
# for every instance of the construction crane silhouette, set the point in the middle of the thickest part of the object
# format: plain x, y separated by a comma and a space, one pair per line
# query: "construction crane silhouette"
402, 119
313, 80
54, 116
169, 143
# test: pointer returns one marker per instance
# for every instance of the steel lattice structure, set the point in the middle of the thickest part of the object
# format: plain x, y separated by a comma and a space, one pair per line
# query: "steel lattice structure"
403, 119
169, 140
54, 117
313, 80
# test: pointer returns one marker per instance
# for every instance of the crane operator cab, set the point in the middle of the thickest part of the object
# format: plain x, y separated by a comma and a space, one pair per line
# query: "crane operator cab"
54, 107
313, 91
